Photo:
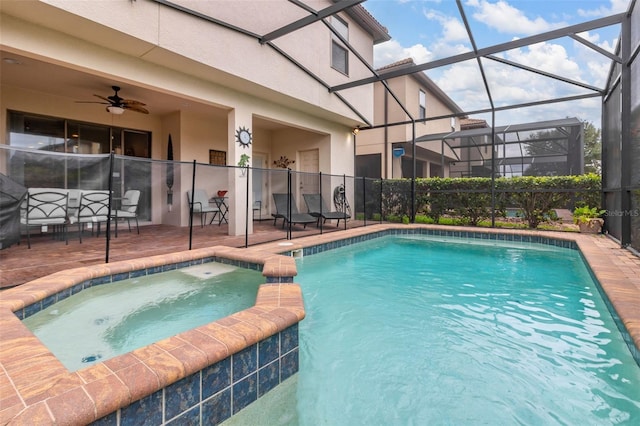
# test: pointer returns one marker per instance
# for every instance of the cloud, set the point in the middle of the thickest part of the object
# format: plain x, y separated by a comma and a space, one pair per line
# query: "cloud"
392, 51
598, 66
549, 57
504, 18
452, 28
617, 6
463, 83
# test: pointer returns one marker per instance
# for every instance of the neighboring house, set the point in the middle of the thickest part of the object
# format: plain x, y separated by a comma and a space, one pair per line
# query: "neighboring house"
387, 151
204, 72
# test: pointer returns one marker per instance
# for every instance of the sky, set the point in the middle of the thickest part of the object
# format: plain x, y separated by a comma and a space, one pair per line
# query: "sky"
426, 30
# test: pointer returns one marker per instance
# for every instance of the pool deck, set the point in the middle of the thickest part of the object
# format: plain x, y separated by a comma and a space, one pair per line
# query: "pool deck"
35, 388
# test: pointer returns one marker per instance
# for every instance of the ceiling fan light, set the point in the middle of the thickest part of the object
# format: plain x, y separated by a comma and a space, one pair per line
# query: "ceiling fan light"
116, 110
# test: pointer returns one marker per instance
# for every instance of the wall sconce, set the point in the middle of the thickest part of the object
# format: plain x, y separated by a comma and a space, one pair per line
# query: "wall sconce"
115, 110
356, 130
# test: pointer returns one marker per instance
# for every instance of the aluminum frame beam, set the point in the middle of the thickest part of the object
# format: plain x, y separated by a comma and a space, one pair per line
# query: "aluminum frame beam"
308, 20
525, 41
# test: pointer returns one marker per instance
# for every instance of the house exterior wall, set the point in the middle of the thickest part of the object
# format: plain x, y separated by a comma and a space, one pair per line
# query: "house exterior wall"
387, 110
173, 39
229, 75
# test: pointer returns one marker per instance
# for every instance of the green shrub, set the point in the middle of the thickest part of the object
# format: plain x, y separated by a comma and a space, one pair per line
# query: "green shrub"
420, 218
470, 199
585, 213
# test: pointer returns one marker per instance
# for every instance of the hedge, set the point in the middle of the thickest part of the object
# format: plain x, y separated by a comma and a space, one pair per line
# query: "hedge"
470, 198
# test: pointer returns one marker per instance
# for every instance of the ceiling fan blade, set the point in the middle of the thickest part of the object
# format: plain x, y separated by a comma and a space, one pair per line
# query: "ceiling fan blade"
136, 108
132, 102
103, 98
93, 102
116, 101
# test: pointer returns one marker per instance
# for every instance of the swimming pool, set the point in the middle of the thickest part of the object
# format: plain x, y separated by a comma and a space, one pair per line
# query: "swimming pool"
408, 330
112, 319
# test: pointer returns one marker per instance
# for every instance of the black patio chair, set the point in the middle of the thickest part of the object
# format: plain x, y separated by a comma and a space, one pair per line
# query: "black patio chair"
282, 211
317, 208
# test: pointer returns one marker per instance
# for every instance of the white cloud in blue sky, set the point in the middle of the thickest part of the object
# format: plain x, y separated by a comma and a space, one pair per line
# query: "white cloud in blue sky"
426, 30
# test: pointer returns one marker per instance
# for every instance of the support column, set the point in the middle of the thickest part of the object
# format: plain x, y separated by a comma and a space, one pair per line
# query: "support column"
239, 119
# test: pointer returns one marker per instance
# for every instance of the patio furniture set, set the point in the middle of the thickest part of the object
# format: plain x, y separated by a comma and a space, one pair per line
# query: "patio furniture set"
60, 208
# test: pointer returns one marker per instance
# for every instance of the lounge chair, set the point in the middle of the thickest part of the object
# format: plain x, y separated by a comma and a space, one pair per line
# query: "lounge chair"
318, 209
282, 211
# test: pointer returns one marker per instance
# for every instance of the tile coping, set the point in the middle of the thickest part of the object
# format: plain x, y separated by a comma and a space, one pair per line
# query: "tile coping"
36, 387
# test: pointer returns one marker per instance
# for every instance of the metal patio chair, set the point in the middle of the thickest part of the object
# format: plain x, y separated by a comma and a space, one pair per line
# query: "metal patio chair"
128, 209
45, 207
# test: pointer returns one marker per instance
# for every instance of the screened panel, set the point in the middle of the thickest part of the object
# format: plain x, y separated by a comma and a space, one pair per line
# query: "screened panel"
635, 134
611, 156
635, 27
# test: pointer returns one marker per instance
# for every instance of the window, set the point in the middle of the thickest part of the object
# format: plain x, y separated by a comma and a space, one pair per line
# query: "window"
217, 158
77, 169
422, 113
453, 124
369, 165
339, 58
339, 53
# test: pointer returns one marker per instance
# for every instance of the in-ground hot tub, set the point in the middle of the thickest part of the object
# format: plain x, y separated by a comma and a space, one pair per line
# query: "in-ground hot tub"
209, 372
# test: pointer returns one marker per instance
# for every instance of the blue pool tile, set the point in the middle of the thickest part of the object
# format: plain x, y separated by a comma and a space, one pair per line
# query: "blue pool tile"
268, 350
289, 365
169, 267
289, 339
146, 411
48, 301
181, 395
245, 392
244, 362
190, 418
217, 409
216, 377
77, 288
120, 277
138, 273
32, 309
108, 420
268, 378
154, 270
63, 294
99, 281
184, 264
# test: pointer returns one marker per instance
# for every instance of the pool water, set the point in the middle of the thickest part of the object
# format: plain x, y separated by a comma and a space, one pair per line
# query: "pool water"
112, 319
416, 331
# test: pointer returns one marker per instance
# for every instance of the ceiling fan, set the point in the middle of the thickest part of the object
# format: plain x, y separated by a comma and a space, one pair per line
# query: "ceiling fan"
117, 105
